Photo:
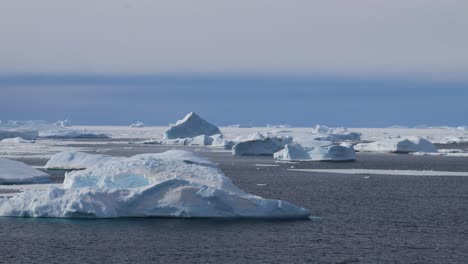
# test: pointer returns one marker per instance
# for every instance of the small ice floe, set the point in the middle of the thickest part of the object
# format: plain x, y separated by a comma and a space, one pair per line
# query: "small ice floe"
267, 165
16, 140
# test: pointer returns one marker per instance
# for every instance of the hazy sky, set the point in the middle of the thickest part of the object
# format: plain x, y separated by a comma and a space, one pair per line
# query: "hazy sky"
361, 37
224, 100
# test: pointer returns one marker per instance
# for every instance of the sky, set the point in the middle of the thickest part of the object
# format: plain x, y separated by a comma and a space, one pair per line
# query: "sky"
301, 62
359, 37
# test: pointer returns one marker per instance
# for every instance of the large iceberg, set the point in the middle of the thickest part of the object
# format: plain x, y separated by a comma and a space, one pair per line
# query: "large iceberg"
398, 145
170, 184
295, 152
261, 146
74, 160
191, 126
15, 172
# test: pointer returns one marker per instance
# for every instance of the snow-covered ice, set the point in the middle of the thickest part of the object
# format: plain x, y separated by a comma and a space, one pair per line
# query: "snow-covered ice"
388, 172
74, 160
191, 126
170, 184
398, 145
15, 172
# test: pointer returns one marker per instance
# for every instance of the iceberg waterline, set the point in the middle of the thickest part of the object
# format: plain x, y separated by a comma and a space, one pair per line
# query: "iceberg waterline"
169, 184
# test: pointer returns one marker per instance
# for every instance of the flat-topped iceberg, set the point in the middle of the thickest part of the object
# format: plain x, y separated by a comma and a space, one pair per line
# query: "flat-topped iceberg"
295, 152
398, 145
261, 146
15, 172
191, 126
169, 184
74, 160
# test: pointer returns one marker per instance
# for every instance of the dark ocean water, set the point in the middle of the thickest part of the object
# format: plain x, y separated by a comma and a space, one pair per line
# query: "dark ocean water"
357, 219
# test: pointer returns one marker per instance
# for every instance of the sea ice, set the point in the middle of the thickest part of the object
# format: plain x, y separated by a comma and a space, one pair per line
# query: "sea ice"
170, 184
15, 172
398, 145
15, 133
191, 126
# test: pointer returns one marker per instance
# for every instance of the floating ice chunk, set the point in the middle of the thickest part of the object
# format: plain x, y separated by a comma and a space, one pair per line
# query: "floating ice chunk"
332, 153
191, 126
16, 140
15, 172
266, 146
329, 153
403, 145
170, 184
137, 124
73, 160
292, 152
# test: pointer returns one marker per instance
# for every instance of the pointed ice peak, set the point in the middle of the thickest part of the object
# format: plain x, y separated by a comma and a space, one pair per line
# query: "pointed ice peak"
191, 126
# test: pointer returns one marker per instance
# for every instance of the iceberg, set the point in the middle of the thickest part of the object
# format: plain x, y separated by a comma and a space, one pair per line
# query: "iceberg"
191, 126
137, 124
170, 184
398, 145
295, 152
74, 160
261, 146
15, 172
63, 123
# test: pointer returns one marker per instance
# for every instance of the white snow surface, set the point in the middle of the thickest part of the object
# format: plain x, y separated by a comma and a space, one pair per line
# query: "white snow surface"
15, 172
191, 126
74, 160
296, 152
398, 145
169, 184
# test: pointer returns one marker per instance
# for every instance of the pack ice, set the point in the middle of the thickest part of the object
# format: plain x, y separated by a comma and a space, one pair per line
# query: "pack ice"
295, 152
169, 184
191, 126
398, 145
15, 172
